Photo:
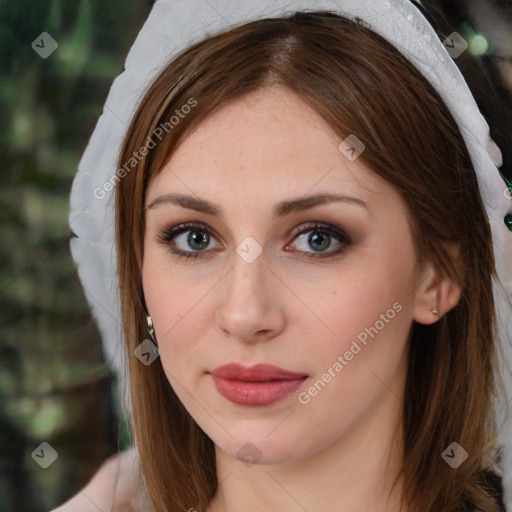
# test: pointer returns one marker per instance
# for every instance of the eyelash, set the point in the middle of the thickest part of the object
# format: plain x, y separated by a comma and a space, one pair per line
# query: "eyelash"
167, 236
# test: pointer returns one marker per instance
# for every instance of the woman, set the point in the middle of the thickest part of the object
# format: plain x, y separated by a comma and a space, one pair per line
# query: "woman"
300, 229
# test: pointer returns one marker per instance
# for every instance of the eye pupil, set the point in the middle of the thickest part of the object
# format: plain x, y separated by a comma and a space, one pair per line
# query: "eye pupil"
199, 237
321, 241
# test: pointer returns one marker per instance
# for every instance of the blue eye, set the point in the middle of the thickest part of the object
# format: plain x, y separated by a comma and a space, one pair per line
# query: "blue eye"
198, 238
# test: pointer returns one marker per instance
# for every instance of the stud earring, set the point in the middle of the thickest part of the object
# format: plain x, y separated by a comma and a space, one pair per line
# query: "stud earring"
434, 311
151, 330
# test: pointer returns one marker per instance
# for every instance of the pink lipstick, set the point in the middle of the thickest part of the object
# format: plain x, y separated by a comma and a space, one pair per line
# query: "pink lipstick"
257, 385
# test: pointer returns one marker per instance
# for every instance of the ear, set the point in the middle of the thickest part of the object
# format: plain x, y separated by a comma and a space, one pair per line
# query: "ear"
435, 290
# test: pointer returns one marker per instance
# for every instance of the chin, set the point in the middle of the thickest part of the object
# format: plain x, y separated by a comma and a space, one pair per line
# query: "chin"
259, 449
262, 452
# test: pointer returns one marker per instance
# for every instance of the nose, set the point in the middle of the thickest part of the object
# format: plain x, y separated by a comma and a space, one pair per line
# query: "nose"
251, 304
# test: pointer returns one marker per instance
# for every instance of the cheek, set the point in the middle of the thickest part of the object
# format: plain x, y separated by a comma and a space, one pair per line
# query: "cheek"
366, 318
364, 363
370, 301
175, 305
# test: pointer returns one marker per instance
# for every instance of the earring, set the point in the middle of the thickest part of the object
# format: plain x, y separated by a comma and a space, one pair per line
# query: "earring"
434, 311
151, 330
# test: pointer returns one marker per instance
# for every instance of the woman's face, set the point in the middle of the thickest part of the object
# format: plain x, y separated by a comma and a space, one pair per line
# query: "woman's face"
333, 305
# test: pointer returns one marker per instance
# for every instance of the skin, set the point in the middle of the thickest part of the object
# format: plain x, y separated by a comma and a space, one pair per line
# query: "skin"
115, 487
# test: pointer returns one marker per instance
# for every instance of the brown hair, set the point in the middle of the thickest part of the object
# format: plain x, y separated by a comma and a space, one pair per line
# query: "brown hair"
360, 84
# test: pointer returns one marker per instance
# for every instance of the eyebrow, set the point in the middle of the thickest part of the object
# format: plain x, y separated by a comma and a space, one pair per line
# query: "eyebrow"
281, 209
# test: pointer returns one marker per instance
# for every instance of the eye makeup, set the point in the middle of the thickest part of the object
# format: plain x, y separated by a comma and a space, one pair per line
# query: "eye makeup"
320, 233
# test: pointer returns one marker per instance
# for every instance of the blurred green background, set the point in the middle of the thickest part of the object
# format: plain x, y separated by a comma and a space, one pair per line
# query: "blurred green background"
55, 386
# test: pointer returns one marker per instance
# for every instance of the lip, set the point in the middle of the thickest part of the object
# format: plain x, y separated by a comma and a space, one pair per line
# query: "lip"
258, 385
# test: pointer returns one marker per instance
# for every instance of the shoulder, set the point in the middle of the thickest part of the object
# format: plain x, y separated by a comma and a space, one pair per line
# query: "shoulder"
115, 486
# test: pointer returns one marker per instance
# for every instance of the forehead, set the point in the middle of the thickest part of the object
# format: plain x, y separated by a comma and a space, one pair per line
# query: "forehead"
268, 144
